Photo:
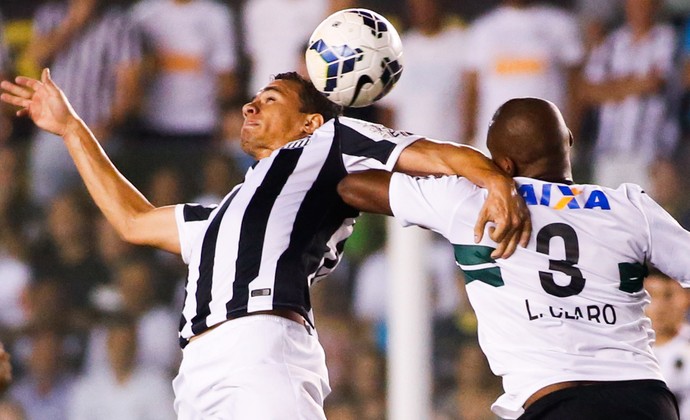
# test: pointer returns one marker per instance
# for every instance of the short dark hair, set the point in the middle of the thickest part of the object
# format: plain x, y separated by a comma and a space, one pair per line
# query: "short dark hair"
313, 101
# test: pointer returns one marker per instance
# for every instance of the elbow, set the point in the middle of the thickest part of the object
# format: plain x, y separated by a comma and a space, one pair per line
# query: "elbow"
131, 232
130, 236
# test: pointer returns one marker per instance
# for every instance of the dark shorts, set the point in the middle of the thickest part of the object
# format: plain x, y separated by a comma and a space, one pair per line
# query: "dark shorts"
629, 400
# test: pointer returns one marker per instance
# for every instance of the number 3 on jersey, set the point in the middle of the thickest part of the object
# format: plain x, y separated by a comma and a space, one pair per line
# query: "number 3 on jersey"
566, 266
477, 264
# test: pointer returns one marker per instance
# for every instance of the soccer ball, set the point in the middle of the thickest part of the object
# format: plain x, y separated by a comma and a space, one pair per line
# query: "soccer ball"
354, 57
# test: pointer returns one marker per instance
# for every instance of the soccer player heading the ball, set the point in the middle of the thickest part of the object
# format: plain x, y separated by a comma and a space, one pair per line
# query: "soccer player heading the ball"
250, 347
561, 321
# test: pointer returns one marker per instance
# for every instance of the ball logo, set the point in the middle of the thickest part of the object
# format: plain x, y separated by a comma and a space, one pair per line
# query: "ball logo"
377, 26
392, 70
341, 60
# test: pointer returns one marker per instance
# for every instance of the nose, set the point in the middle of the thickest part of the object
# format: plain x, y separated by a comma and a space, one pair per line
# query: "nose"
249, 108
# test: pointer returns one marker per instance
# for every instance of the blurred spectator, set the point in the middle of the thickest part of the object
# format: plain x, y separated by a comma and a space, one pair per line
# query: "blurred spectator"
339, 407
45, 308
166, 186
135, 289
46, 385
275, 32
93, 54
5, 369
427, 98
476, 386
231, 124
16, 275
627, 78
685, 77
369, 381
124, 389
44, 304
668, 187
596, 19
17, 215
668, 311
370, 288
110, 247
190, 72
219, 175
519, 49
11, 410
65, 252
5, 73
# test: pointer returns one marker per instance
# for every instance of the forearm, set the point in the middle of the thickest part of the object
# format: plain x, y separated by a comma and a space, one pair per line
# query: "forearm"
427, 157
117, 198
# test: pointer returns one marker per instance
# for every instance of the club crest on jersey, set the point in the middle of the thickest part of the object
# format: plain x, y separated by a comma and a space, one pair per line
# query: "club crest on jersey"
560, 197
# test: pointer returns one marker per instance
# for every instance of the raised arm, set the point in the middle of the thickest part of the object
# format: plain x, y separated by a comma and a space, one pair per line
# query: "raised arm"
503, 206
131, 214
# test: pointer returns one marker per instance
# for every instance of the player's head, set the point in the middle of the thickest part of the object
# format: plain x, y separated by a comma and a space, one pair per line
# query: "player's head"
312, 100
669, 303
287, 109
528, 137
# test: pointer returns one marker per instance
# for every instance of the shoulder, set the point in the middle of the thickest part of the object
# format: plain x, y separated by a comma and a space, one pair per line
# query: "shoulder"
369, 129
628, 189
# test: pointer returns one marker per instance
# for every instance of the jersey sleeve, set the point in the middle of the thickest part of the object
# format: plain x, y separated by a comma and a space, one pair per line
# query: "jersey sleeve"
192, 221
366, 145
669, 243
428, 202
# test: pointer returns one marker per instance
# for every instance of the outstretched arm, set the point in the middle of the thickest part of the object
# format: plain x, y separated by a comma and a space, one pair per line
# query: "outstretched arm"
131, 214
503, 206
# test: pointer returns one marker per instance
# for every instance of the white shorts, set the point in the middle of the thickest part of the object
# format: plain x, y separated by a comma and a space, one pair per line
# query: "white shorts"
258, 367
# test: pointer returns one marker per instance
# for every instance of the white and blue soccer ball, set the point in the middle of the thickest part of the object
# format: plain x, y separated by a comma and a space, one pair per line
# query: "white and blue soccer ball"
354, 57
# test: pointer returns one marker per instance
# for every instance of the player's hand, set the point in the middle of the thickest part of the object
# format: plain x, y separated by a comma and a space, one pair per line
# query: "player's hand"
42, 101
508, 211
5, 369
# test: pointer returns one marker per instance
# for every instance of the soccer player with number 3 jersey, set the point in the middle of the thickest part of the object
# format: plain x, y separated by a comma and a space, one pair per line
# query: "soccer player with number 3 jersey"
562, 320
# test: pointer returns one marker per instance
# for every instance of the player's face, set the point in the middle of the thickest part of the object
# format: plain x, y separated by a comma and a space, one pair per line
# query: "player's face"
272, 119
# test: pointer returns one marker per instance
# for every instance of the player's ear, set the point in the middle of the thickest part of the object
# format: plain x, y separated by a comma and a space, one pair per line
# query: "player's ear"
312, 122
506, 164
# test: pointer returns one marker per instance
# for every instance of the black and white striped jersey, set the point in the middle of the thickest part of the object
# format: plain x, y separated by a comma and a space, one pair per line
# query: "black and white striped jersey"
283, 228
85, 67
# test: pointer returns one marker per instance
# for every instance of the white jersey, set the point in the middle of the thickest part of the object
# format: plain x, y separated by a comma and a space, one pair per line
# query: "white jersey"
569, 306
282, 229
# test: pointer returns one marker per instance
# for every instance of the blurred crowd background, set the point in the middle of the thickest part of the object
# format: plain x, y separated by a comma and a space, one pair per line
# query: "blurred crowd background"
91, 322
